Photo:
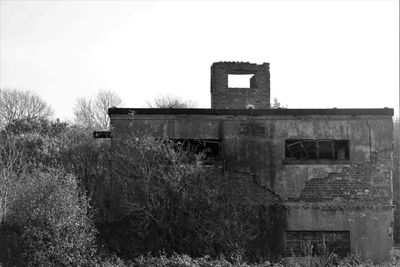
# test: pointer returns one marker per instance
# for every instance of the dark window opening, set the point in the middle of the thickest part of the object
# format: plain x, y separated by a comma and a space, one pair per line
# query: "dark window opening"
326, 149
240, 80
305, 149
317, 242
101, 134
209, 149
341, 149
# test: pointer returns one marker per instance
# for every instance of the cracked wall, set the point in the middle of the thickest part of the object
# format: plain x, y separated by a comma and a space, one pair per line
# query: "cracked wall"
357, 199
256, 144
368, 182
253, 152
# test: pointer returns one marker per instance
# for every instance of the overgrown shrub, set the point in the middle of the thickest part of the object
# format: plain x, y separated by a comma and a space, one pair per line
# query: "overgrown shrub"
87, 158
159, 197
176, 260
183, 260
39, 140
48, 222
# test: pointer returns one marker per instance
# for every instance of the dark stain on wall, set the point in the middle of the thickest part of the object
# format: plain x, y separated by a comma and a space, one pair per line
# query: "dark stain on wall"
251, 128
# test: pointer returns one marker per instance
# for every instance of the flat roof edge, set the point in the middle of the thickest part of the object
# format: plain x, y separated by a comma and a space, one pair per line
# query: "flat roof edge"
254, 112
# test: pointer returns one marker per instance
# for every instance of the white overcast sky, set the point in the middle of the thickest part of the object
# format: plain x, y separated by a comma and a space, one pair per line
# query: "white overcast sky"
322, 54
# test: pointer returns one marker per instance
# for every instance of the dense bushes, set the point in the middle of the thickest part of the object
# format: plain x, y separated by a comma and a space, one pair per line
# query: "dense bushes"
158, 197
40, 142
182, 260
48, 221
148, 196
85, 157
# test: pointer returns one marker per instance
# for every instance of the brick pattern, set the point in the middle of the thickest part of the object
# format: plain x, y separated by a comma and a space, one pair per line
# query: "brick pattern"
369, 182
239, 98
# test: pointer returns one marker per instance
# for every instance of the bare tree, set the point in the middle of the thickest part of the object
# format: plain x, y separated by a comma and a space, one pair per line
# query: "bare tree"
93, 113
22, 104
168, 101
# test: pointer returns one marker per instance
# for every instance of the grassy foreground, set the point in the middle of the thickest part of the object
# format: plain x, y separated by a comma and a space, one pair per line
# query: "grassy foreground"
307, 261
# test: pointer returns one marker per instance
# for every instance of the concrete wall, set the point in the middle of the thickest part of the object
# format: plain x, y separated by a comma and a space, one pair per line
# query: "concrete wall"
256, 144
396, 180
371, 227
253, 145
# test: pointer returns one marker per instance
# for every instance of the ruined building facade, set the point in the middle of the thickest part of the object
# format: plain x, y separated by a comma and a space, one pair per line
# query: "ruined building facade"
331, 168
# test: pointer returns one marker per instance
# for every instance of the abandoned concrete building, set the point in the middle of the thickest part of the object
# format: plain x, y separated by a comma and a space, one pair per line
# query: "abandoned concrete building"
331, 168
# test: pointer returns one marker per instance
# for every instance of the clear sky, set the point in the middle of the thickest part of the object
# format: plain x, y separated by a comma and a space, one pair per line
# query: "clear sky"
322, 54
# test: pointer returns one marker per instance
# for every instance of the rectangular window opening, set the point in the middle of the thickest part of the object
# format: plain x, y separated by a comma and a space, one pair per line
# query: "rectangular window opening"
240, 80
317, 242
210, 149
316, 149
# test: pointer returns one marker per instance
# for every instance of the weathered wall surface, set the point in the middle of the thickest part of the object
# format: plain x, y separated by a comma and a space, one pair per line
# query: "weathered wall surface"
258, 95
358, 190
357, 199
396, 179
368, 182
256, 145
242, 186
370, 226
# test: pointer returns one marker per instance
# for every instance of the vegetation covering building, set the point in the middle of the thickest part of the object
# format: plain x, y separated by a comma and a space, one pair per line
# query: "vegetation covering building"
330, 168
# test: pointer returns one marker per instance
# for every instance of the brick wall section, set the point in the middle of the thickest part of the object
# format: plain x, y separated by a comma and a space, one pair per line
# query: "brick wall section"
239, 98
369, 182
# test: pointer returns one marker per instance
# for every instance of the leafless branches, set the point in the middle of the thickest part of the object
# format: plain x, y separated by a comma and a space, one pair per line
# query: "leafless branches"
168, 101
93, 113
19, 104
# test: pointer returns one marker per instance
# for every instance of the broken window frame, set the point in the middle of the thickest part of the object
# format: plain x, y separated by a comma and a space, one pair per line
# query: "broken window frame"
321, 242
199, 146
317, 149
